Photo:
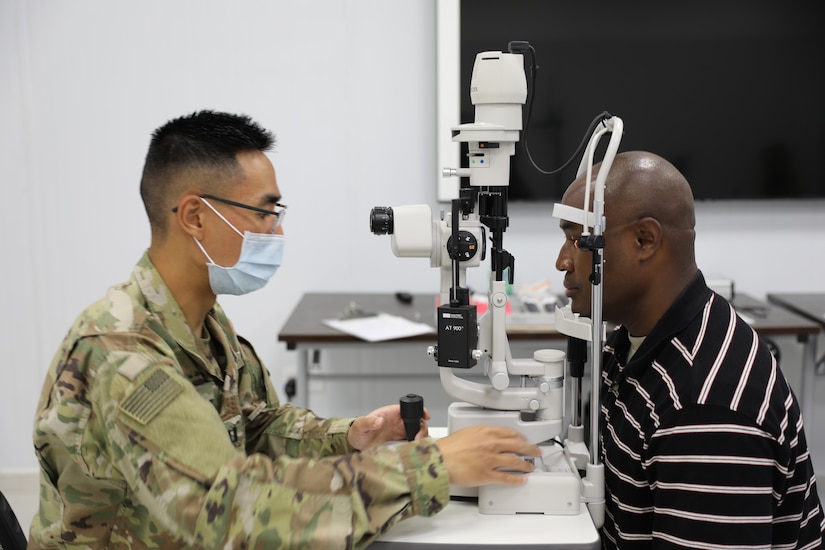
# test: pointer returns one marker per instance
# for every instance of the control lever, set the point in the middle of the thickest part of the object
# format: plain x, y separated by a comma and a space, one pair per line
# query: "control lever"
412, 411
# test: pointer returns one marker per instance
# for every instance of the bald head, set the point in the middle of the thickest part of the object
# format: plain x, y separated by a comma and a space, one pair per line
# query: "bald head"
644, 185
649, 241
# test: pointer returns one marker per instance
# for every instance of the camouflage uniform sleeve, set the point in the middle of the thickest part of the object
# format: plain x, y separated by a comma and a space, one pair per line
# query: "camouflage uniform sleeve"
177, 460
277, 430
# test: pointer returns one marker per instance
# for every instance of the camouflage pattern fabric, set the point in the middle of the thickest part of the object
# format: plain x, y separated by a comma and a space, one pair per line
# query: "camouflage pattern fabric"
147, 439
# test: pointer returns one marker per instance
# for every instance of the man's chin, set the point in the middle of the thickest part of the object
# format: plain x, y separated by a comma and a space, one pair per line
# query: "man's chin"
582, 309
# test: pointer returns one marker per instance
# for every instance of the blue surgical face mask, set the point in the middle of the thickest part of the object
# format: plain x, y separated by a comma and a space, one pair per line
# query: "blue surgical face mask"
261, 256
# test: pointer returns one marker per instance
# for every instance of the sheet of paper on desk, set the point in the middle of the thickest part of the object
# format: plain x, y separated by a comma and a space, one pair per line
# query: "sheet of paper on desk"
380, 327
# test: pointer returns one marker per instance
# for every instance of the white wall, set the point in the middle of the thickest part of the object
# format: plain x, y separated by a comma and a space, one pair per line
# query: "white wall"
349, 88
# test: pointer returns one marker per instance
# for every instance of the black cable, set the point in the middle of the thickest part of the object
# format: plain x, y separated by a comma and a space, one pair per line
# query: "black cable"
533, 70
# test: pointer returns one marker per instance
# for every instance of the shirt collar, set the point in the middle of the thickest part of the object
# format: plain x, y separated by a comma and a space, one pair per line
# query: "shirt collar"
689, 304
163, 306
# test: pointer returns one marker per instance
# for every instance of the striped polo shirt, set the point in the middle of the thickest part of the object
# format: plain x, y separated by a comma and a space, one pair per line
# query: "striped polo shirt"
702, 437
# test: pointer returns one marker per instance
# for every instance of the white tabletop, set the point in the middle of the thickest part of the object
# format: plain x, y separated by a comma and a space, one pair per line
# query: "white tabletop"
461, 526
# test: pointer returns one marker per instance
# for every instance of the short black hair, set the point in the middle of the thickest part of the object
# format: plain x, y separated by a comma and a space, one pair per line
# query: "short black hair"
197, 149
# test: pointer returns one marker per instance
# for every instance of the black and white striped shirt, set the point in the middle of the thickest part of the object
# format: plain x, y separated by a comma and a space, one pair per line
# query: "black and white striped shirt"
702, 438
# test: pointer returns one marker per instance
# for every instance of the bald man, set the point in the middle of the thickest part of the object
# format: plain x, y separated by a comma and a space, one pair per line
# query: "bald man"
701, 435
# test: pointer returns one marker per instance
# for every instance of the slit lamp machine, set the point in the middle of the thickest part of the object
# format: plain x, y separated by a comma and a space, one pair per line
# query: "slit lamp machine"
527, 394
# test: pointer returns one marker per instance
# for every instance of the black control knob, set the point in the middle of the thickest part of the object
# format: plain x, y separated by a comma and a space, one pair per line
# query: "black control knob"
467, 246
412, 411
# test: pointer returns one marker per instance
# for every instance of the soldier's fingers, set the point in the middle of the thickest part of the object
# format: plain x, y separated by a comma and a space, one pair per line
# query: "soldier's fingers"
515, 463
528, 449
424, 431
513, 442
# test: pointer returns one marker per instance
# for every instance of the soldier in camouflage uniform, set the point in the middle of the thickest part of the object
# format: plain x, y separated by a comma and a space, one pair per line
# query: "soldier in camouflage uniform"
158, 426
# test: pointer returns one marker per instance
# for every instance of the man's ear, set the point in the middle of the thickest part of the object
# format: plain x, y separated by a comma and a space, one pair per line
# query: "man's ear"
648, 237
189, 215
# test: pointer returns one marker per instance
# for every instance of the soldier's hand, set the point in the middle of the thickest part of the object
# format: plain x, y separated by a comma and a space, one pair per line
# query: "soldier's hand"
480, 454
380, 426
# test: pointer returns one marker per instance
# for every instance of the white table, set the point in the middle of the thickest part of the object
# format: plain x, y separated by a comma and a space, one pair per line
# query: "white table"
460, 527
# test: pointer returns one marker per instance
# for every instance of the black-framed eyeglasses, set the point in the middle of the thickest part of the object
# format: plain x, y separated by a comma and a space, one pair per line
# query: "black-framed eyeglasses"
279, 210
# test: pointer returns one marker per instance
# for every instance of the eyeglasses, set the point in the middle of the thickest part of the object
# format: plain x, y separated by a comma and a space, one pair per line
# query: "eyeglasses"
279, 210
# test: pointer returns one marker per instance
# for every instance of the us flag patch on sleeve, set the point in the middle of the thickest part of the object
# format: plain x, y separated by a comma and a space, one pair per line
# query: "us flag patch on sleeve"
151, 396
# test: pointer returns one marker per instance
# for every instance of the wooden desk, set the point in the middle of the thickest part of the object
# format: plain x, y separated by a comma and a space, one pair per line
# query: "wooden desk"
304, 324
770, 320
305, 333
808, 305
